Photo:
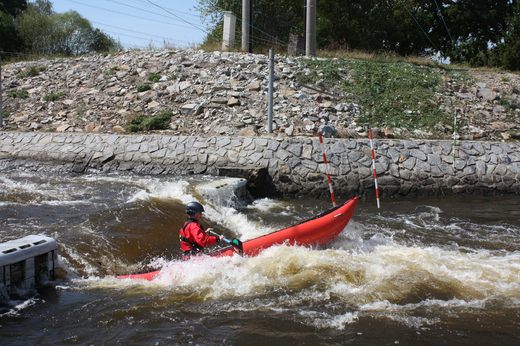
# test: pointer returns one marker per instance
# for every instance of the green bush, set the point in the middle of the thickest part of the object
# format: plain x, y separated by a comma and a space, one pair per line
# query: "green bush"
143, 87
110, 72
390, 94
81, 109
149, 123
154, 77
32, 71
21, 94
52, 96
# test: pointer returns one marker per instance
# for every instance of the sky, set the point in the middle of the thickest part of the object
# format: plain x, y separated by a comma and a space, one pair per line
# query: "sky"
142, 23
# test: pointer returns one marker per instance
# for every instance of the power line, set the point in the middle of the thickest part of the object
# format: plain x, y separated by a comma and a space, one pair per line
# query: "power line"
442, 18
173, 10
274, 38
133, 36
144, 10
176, 16
123, 13
140, 32
420, 27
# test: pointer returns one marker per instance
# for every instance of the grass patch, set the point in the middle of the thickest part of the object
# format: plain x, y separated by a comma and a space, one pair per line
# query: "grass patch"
140, 123
391, 94
32, 71
154, 77
5, 114
509, 103
18, 94
81, 109
110, 72
143, 87
52, 96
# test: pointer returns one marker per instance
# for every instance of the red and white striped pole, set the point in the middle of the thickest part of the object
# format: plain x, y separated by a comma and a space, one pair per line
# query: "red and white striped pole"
329, 180
374, 166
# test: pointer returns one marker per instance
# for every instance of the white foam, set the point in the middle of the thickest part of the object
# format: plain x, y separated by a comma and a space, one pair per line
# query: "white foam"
323, 320
235, 221
18, 307
163, 190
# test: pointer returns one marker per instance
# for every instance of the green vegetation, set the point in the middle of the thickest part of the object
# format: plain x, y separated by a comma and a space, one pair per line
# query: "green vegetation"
53, 96
390, 94
140, 123
143, 87
20, 94
81, 109
33, 28
110, 72
404, 27
154, 77
510, 103
32, 71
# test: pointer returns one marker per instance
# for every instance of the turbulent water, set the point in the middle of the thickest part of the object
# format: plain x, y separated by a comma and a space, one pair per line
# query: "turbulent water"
419, 271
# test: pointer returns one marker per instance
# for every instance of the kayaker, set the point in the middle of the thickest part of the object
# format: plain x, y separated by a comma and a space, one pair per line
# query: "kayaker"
193, 238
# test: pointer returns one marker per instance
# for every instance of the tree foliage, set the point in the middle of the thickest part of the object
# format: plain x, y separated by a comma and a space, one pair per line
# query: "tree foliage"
35, 28
478, 32
13, 7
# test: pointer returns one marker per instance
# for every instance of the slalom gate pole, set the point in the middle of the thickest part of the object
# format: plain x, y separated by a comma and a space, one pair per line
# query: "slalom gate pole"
329, 180
374, 166
454, 137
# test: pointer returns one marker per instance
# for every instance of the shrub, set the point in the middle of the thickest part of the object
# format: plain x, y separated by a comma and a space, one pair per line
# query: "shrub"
154, 77
143, 87
390, 94
149, 123
110, 72
32, 71
52, 96
81, 109
21, 94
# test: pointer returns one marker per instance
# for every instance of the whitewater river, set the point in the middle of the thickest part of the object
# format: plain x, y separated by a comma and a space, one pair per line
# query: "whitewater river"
422, 271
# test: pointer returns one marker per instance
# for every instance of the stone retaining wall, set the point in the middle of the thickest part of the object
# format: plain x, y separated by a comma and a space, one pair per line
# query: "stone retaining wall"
294, 164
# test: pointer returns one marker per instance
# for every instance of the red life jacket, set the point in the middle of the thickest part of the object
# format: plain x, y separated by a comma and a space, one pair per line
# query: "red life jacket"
192, 237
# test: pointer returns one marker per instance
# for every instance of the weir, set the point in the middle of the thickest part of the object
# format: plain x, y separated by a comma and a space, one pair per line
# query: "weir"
25, 264
228, 192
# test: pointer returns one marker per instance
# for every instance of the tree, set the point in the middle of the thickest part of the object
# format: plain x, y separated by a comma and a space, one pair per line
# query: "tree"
477, 27
13, 7
101, 42
507, 54
470, 31
9, 39
46, 32
272, 21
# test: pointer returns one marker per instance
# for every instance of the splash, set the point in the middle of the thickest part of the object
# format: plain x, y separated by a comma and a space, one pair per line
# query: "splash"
390, 273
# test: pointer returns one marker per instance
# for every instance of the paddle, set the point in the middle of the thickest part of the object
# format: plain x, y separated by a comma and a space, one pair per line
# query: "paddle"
233, 242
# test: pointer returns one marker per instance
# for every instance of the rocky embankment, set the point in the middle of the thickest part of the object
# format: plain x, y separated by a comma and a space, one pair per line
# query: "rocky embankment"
221, 94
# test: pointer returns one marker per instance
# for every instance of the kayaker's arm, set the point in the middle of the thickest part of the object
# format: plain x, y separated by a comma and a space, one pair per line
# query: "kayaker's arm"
233, 242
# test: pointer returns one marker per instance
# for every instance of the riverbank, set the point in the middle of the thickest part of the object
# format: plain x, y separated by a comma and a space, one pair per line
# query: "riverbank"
291, 166
197, 93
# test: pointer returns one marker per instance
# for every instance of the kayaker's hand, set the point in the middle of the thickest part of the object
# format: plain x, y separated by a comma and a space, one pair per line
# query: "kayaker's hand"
209, 230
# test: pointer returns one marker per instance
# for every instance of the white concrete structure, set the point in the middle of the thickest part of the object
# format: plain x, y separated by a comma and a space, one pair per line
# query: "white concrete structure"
228, 35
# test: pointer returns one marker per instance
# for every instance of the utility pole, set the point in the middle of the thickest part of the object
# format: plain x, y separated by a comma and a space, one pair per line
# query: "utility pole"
270, 93
310, 29
1, 104
246, 26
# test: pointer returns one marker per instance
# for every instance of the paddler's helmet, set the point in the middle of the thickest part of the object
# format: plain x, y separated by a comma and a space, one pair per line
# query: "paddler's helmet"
193, 208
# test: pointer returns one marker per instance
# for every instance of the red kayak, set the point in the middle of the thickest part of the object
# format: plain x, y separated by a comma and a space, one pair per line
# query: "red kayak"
319, 230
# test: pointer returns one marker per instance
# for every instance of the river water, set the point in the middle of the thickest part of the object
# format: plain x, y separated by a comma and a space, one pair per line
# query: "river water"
434, 271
